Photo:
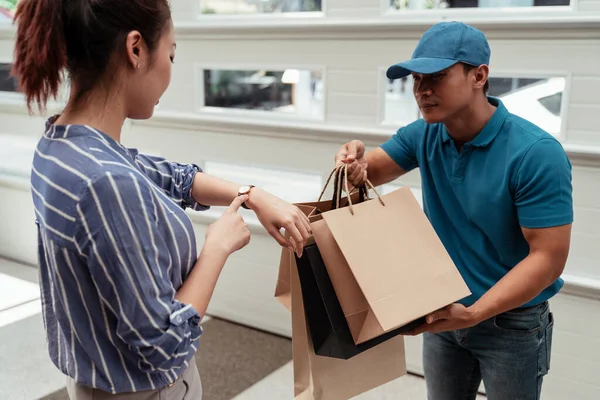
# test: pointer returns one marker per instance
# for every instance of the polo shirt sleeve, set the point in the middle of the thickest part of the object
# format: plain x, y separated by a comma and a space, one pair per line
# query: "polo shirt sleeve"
543, 187
403, 146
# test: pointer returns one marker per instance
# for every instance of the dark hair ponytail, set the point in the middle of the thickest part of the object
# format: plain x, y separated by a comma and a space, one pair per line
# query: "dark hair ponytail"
80, 36
40, 50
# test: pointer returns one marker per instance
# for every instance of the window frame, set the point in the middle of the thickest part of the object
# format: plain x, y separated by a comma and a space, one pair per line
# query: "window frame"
491, 13
10, 97
561, 135
260, 16
241, 114
381, 103
18, 99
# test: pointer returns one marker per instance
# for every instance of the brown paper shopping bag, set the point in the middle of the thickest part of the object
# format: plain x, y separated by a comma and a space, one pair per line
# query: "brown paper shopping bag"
323, 378
388, 249
283, 292
329, 332
385, 261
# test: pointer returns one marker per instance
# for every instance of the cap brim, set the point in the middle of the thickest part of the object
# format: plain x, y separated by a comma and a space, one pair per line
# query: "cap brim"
419, 66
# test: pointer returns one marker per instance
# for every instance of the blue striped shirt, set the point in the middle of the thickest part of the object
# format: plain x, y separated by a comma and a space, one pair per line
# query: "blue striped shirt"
115, 245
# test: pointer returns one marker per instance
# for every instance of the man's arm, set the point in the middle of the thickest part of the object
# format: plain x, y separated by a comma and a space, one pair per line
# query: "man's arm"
544, 204
543, 195
386, 163
382, 169
549, 249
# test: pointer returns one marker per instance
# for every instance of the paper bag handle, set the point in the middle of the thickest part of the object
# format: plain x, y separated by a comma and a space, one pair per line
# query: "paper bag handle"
368, 183
338, 171
337, 190
339, 183
327, 183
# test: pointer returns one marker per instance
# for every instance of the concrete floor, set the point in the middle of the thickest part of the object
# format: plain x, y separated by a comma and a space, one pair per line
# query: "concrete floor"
256, 367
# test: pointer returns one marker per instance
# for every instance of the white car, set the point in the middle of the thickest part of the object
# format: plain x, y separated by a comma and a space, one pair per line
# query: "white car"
539, 103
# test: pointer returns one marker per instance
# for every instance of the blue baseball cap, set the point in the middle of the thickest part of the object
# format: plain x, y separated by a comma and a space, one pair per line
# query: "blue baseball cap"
442, 46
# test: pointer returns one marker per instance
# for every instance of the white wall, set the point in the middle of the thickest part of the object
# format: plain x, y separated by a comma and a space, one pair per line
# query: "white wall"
353, 43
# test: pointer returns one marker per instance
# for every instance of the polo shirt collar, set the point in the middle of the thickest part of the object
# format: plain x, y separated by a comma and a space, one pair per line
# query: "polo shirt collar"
490, 130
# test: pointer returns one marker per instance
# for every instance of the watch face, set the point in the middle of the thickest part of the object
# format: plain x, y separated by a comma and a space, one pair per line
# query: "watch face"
245, 189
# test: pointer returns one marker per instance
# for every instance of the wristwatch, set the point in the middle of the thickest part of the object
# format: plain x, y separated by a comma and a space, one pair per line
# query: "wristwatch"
245, 190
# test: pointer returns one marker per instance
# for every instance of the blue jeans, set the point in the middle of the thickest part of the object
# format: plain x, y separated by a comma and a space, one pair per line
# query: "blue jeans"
510, 352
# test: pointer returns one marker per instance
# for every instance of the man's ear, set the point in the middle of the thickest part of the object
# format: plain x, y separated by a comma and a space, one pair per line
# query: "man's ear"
481, 76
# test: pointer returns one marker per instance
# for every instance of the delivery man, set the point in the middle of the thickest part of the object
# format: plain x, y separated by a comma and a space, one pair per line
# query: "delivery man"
497, 190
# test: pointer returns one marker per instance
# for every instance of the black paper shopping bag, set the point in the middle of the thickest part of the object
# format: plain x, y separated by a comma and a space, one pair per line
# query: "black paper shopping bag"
327, 325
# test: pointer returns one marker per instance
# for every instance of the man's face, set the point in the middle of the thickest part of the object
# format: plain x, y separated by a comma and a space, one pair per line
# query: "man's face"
442, 95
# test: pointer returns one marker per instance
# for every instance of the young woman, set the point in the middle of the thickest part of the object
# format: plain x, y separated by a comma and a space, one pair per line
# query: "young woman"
123, 289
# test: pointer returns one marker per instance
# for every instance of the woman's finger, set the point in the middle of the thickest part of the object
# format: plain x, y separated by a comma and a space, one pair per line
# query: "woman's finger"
295, 234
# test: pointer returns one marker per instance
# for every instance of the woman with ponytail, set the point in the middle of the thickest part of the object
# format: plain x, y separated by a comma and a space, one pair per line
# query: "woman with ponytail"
123, 289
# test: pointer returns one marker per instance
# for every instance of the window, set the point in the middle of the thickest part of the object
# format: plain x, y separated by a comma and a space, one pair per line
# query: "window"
442, 4
536, 99
7, 82
400, 104
10, 91
289, 92
7, 10
502, 86
259, 6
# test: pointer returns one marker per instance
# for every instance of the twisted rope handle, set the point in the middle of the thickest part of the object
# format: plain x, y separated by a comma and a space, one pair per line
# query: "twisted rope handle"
338, 193
368, 183
338, 190
327, 183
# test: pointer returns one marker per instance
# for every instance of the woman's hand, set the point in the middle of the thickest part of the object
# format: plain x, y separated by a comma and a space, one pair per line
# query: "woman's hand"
275, 213
229, 233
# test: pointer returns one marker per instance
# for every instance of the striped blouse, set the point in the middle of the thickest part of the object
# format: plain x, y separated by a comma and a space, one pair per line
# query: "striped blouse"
115, 245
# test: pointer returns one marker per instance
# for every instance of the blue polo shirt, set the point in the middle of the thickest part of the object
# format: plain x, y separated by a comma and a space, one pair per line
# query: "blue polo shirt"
512, 175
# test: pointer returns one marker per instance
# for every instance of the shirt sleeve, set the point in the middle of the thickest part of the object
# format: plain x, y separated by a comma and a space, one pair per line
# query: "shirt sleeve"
128, 261
403, 146
543, 191
174, 178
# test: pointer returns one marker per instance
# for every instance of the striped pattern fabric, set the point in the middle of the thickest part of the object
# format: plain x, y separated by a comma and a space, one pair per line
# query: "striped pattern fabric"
115, 245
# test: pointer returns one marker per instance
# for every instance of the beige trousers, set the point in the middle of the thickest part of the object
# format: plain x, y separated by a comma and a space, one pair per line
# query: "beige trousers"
187, 387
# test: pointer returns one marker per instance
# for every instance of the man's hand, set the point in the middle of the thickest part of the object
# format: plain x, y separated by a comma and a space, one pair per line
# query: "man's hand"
353, 154
451, 318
